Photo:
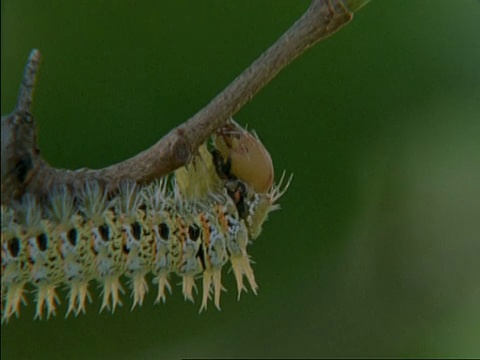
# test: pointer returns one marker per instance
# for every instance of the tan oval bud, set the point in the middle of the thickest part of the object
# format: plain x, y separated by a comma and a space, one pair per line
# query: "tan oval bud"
250, 160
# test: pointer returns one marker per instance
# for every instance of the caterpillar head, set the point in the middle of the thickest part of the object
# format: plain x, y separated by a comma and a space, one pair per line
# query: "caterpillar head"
244, 163
244, 157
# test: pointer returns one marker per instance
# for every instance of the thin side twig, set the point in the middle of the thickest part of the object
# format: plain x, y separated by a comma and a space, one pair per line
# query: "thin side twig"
23, 169
27, 87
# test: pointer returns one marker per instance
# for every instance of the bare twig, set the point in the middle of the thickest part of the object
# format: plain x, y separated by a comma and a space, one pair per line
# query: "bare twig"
20, 155
25, 94
23, 169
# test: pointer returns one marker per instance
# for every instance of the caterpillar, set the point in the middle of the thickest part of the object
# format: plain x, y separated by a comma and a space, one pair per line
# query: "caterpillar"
190, 224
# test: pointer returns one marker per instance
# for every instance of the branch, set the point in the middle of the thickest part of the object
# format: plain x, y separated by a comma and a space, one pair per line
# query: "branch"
24, 170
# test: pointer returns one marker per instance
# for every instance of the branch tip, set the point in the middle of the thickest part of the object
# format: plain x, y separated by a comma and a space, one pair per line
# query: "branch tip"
27, 86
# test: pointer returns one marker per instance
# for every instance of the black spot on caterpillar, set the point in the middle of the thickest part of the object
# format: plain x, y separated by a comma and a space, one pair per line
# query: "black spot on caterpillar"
190, 224
13, 246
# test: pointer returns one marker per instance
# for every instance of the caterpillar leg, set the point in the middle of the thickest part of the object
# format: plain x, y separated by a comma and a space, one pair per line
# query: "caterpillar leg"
46, 296
241, 266
78, 297
15, 295
188, 284
139, 289
212, 278
111, 289
207, 282
162, 285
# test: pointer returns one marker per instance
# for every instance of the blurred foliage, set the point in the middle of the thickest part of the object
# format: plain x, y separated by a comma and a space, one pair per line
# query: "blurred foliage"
376, 249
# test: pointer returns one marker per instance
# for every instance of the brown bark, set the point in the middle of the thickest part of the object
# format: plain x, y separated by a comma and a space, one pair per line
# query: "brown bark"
23, 169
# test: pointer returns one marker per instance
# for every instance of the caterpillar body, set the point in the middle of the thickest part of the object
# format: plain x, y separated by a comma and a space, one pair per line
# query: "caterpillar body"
190, 224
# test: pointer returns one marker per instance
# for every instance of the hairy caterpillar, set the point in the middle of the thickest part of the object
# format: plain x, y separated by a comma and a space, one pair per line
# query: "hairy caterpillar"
190, 224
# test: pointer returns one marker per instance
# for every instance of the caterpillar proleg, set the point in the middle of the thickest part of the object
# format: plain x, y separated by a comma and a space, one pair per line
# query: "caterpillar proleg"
190, 224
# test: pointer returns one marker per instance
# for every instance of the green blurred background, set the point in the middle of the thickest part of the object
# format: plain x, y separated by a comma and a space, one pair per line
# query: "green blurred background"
376, 251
